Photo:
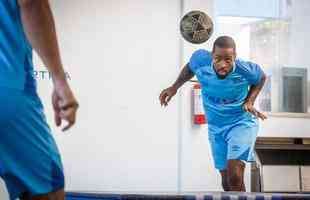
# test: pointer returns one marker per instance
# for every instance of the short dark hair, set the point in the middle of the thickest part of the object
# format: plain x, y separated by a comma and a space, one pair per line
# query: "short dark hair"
224, 42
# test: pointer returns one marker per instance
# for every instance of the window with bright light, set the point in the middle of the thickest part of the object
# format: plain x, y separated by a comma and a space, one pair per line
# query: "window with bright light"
275, 35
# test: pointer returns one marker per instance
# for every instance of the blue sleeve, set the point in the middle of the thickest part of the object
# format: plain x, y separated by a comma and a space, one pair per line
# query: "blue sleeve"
199, 59
250, 71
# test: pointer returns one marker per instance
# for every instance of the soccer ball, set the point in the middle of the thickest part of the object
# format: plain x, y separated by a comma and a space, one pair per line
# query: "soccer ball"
196, 27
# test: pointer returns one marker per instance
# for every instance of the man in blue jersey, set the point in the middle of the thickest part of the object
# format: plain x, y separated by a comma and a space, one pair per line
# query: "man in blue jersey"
229, 89
30, 163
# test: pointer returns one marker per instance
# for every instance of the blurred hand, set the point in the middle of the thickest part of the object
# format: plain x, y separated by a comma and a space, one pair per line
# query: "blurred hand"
249, 107
65, 105
166, 95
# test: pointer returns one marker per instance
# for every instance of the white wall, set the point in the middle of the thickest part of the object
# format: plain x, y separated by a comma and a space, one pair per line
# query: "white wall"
197, 171
3, 192
299, 40
120, 54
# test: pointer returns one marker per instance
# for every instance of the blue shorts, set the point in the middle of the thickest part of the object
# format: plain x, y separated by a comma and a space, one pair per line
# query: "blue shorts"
233, 142
29, 158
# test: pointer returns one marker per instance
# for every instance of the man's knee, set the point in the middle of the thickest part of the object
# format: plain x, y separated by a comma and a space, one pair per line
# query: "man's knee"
234, 180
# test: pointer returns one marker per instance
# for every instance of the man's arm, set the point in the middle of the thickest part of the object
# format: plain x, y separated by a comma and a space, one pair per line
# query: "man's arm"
252, 95
255, 89
39, 27
185, 75
166, 95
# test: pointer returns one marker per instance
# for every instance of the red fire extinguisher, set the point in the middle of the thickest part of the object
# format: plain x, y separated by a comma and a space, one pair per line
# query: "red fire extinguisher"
199, 115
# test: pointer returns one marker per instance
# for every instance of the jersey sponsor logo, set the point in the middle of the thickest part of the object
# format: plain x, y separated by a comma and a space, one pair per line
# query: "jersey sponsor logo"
237, 80
217, 100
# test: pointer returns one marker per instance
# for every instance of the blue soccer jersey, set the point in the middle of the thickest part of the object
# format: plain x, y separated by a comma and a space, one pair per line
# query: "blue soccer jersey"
223, 98
16, 68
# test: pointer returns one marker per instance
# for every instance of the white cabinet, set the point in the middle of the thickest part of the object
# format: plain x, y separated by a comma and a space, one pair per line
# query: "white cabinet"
305, 178
277, 178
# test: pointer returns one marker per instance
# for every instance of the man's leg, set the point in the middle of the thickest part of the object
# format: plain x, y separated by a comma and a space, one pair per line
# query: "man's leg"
31, 134
57, 195
25, 196
235, 175
224, 180
219, 154
241, 141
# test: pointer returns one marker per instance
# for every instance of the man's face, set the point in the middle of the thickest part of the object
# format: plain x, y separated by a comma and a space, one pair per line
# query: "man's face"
223, 61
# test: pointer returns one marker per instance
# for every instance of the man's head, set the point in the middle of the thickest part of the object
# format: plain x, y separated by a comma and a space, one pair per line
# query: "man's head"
223, 55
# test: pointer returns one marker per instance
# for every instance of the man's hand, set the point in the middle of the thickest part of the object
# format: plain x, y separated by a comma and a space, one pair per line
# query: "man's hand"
166, 95
65, 105
249, 107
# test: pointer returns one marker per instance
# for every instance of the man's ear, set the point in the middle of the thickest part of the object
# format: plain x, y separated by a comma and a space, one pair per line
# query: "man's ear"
212, 53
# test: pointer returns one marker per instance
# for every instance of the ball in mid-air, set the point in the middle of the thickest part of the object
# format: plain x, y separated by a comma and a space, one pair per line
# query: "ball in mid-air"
196, 27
